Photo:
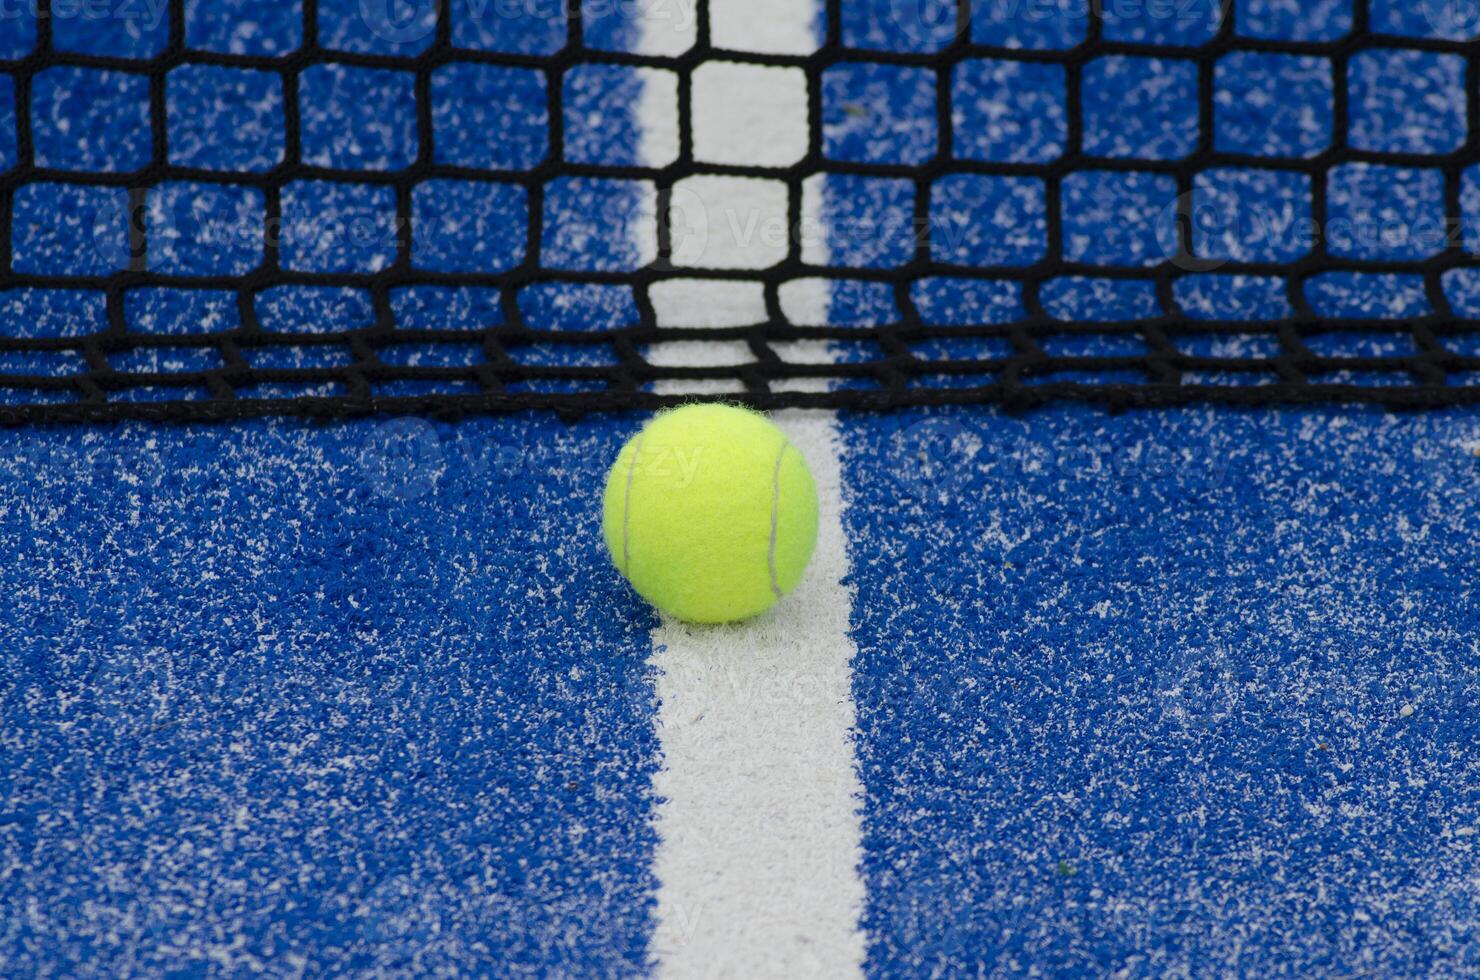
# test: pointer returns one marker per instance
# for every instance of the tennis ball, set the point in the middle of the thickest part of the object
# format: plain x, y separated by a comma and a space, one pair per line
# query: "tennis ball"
710, 513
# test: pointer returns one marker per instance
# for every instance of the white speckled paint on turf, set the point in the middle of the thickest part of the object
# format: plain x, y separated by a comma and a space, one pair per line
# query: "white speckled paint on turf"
1184, 693
759, 853
296, 700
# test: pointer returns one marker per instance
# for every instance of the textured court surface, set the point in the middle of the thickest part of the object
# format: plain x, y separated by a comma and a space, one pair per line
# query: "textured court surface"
1142, 692
267, 708
1180, 693
1169, 694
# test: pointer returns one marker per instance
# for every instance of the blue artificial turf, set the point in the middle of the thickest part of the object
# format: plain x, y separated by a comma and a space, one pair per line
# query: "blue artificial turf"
1157, 693
1185, 692
366, 698
294, 698
1167, 692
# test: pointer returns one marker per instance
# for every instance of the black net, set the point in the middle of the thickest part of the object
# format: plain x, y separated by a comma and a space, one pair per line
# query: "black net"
92, 359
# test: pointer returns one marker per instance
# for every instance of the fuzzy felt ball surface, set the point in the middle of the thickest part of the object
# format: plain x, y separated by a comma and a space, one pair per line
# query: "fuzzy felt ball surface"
710, 513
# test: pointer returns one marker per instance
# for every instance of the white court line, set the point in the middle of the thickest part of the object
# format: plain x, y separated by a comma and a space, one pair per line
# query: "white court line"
758, 821
759, 838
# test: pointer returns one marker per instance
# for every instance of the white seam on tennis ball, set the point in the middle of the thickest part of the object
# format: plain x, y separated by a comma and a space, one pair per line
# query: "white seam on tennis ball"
775, 520
627, 504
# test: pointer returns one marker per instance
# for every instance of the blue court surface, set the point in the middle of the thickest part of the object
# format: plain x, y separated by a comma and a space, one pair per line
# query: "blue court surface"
1180, 691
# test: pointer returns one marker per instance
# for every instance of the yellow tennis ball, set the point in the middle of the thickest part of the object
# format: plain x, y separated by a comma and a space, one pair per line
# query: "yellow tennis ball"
710, 513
